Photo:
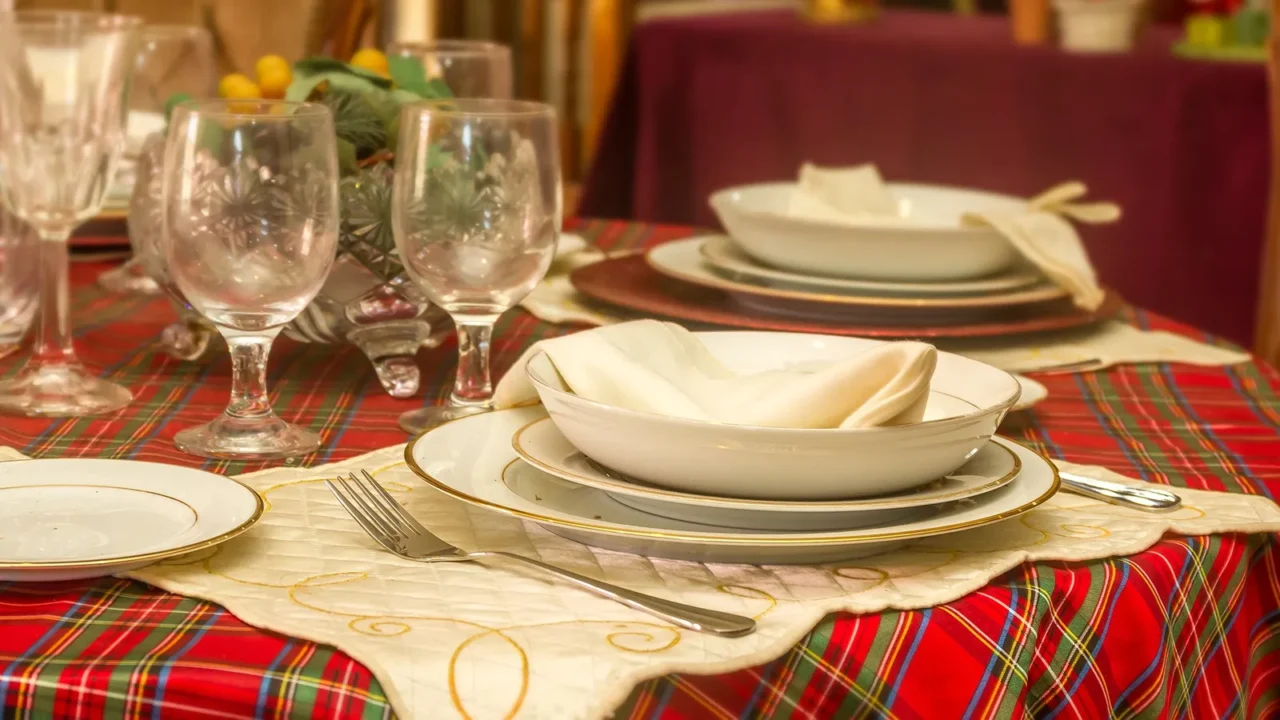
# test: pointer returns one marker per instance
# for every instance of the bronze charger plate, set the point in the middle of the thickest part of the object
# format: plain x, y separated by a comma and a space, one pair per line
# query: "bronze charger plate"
630, 283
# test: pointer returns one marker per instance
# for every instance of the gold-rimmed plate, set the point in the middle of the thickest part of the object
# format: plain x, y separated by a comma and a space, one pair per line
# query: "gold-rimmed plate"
468, 459
723, 255
542, 445
683, 260
67, 519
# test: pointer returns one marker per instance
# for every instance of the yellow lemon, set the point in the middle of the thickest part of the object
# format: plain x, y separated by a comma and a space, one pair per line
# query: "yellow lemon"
372, 60
273, 83
271, 64
238, 86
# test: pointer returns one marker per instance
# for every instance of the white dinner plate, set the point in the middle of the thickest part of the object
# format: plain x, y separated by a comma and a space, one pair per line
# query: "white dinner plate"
66, 519
466, 459
720, 252
542, 445
683, 260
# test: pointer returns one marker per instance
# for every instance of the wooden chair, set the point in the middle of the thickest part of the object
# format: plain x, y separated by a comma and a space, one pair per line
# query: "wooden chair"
1267, 335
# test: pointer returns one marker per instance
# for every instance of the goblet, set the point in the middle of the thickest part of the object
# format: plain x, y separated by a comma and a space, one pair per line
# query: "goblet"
471, 68
172, 60
251, 219
476, 213
64, 94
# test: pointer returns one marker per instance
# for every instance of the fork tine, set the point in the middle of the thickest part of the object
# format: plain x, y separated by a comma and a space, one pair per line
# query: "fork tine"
353, 508
375, 514
395, 505
376, 505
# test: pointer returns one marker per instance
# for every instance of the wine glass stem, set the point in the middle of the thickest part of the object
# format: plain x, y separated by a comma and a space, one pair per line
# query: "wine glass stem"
53, 341
473, 386
249, 353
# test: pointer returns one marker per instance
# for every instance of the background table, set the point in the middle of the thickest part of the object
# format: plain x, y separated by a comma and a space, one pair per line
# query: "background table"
1190, 628
709, 102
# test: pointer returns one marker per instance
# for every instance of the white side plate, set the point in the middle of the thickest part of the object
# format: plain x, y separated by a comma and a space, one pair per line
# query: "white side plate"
64, 519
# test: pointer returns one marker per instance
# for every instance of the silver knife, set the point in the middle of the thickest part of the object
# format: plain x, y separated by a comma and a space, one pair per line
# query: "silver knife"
1149, 499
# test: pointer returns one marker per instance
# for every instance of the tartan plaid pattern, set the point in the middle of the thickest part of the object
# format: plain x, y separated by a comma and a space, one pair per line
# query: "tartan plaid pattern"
1190, 628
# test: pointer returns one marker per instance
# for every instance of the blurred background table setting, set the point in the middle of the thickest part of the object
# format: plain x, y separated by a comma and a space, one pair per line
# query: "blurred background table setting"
323, 395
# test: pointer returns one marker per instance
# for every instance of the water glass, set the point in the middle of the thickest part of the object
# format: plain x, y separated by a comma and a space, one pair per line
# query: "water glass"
476, 213
251, 231
64, 94
172, 60
471, 68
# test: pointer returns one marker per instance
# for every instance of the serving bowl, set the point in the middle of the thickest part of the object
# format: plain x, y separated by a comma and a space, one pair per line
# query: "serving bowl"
967, 401
926, 242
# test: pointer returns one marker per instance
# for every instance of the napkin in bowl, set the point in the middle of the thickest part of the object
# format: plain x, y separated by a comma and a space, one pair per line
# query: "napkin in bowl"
659, 367
1041, 233
1043, 236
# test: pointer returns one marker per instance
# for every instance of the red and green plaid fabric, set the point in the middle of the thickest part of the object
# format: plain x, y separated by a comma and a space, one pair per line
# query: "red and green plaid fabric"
1188, 629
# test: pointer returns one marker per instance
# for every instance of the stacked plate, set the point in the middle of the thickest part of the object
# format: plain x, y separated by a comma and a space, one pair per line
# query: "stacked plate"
924, 274
664, 486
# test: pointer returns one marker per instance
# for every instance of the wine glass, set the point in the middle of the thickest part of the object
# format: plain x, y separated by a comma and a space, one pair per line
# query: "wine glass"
172, 60
251, 231
64, 94
475, 213
471, 68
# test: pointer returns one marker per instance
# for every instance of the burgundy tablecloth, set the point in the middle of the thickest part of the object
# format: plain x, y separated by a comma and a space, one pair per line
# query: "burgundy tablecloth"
715, 101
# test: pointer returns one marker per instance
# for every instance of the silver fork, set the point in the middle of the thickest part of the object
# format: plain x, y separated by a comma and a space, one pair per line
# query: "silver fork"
395, 529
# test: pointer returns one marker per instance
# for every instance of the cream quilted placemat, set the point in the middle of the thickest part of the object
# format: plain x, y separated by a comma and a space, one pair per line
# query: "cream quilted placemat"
465, 640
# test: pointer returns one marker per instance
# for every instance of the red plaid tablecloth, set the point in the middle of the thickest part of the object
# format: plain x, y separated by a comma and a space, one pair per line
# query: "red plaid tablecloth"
1190, 628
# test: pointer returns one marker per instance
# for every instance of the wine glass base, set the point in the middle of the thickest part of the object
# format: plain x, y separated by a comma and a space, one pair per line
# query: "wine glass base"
60, 391
232, 438
423, 419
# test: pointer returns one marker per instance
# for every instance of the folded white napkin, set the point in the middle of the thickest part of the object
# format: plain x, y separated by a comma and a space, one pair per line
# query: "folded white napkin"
661, 368
1043, 236
852, 194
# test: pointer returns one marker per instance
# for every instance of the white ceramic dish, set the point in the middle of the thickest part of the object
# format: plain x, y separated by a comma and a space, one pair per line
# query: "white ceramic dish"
466, 459
725, 257
542, 445
931, 246
966, 403
68, 519
683, 260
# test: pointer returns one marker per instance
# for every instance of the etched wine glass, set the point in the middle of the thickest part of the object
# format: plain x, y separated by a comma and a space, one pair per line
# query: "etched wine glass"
476, 214
251, 230
64, 95
471, 68
173, 60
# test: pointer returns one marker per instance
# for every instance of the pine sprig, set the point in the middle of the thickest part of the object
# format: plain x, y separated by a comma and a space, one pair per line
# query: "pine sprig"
356, 121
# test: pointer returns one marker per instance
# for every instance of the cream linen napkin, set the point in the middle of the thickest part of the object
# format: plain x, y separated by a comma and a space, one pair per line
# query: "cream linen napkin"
1043, 236
1111, 343
490, 641
660, 367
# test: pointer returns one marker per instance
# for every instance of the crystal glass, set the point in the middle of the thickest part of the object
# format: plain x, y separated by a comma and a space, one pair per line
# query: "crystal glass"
251, 229
471, 68
64, 94
475, 212
172, 60
19, 288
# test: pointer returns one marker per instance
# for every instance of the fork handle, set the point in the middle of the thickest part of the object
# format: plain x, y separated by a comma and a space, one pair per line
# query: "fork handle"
685, 616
